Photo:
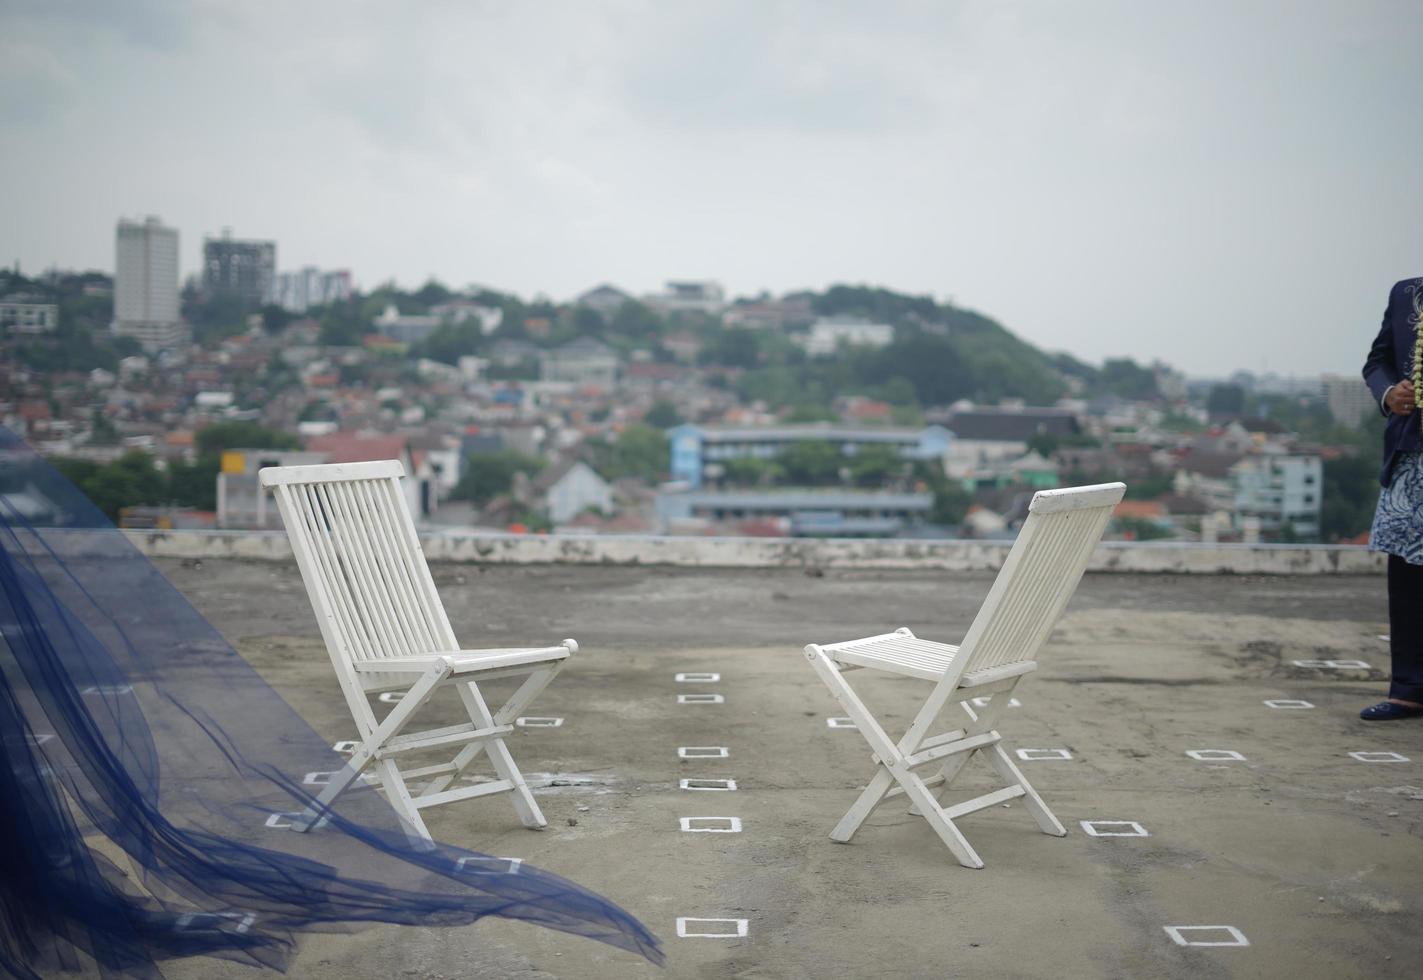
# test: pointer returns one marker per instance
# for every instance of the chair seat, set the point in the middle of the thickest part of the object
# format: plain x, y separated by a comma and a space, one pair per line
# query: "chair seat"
909, 656
896, 653
464, 661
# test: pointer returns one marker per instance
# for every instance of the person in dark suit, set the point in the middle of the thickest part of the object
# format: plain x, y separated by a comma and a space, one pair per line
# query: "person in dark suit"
1398, 522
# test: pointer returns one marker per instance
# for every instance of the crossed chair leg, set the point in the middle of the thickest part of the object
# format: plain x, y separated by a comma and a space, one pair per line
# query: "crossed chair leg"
896, 764
485, 732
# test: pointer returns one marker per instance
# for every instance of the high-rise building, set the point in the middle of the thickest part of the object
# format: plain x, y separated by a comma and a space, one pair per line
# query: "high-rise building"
1350, 400
244, 272
146, 285
297, 292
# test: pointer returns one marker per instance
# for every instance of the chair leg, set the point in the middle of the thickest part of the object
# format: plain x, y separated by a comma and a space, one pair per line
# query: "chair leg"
521, 698
499, 756
398, 795
930, 810
871, 798
1046, 820
419, 693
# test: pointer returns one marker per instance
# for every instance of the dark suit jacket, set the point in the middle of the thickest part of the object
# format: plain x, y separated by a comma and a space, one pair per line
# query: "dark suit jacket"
1391, 361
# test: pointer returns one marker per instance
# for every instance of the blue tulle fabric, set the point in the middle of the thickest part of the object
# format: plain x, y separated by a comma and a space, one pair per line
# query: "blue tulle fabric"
148, 770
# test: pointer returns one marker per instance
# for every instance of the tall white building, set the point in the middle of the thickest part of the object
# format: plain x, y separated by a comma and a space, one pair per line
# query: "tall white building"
146, 285
298, 291
1278, 489
1350, 400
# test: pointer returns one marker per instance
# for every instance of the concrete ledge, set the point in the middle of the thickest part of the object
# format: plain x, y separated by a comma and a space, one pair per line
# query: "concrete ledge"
1114, 556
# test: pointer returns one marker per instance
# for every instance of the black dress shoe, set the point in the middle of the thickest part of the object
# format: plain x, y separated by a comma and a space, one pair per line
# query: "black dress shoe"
1388, 711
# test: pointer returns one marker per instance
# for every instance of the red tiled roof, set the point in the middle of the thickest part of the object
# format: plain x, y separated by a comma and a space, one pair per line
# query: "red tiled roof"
1140, 509
346, 447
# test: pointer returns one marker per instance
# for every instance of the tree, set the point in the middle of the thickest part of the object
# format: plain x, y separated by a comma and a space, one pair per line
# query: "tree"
275, 318
1349, 491
1226, 399
488, 474
873, 465
812, 462
640, 451
663, 415
214, 439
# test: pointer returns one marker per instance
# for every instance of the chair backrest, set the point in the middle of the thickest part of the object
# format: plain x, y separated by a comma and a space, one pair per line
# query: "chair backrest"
360, 559
1039, 576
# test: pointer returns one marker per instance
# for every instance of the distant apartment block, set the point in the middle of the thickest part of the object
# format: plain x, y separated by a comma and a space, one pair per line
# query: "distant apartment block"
241, 271
146, 285
695, 448
27, 315
688, 296
1350, 400
1278, 489
297, 292
798, 513
828, 333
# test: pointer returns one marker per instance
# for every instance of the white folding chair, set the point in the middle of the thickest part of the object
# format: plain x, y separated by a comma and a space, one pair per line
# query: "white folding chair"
386, 631
1032, 589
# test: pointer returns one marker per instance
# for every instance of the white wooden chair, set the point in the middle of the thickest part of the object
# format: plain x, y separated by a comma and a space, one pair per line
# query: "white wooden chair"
1032, 589
386, 631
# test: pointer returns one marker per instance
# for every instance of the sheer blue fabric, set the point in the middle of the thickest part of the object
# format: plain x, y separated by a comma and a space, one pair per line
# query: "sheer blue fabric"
148, 774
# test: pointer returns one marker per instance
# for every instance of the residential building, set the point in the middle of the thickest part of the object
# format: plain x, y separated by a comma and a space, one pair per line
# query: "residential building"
584, 360
407, 328
985, 436
146, 285
689, 296
694, 448
241, 500
1350, 401
1278, 489
297, 292
27, 314
242, 271
799, 513
458, 311
571, 487
828, 333
605, 300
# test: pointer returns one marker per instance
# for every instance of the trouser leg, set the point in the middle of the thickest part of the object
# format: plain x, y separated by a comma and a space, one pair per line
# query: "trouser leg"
1405, 622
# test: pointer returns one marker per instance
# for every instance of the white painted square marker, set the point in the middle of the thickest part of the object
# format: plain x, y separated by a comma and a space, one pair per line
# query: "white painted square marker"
1215, 755
839, 723
711, 825
473, 865
709, 785
344, 746
531, 721
700, 699
281, 821
710, 928
1287, 704
108, 689
1332, 664
697, 678
1043, 755
703, 752
391, 697
1133, 829
1178, 936
983, 702
322, 778
213, 921
1378, 757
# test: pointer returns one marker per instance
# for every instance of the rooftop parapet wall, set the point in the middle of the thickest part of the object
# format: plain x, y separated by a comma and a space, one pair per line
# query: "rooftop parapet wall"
846, 553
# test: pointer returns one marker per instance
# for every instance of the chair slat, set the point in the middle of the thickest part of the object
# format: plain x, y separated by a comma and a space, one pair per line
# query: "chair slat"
337, 589
412, 621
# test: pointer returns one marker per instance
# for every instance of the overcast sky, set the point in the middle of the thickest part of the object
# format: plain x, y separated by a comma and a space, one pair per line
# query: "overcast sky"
1220, 185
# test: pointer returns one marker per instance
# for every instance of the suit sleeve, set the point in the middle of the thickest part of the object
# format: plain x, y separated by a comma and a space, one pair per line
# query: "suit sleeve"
1381, 370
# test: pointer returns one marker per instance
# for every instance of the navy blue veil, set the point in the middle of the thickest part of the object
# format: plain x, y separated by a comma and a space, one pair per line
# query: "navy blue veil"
149, 773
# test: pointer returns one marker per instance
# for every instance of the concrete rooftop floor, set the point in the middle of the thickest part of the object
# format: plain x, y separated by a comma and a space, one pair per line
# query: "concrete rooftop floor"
1314, 856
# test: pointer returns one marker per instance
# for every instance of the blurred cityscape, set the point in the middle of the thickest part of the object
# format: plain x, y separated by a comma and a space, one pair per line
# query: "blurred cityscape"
856, 411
